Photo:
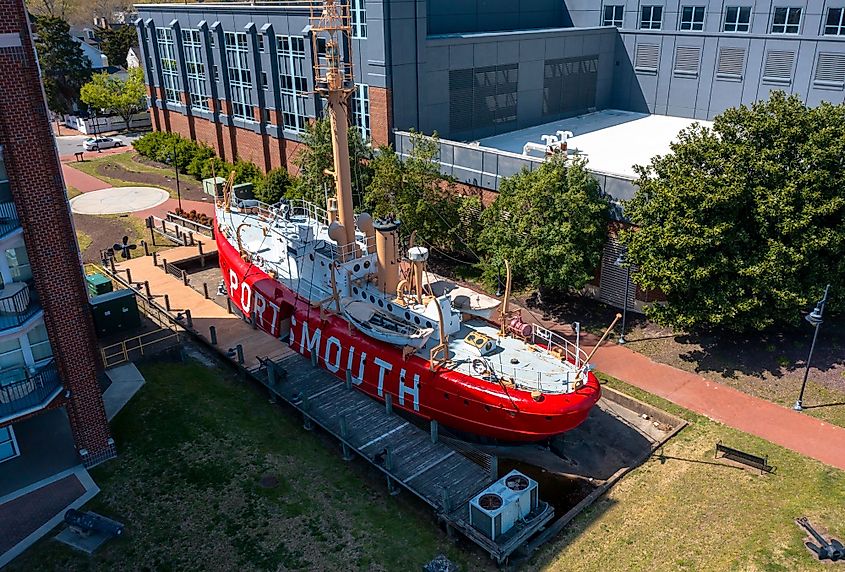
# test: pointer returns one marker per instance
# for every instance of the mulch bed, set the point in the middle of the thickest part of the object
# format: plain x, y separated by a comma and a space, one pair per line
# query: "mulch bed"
189, 187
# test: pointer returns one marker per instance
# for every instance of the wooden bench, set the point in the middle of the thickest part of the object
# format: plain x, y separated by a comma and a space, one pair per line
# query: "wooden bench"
79, 157
761, 463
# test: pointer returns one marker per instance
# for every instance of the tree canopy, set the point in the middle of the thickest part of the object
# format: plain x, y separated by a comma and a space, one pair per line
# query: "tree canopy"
115, 43
417, 193
273, 186
315, 157
742, 225
122, 97
64, 67
550, 224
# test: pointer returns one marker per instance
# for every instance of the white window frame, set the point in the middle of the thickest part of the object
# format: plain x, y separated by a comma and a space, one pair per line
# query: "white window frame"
195, 69
840, 27
239, 75
358, 19
692, 23
651, 21
784, 28
14, 442
361, 110
290, 52
169, 66
736, 23
613, 20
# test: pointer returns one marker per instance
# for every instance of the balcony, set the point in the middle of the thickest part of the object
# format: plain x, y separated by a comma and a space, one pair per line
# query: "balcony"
9, 220
18, 305
22, 391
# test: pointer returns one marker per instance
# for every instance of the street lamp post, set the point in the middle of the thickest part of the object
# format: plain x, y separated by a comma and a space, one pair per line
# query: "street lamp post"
815, 318
620, 262
176, 168
96, 132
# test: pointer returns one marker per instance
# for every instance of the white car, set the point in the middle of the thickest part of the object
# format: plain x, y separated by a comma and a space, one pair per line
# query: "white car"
96, 143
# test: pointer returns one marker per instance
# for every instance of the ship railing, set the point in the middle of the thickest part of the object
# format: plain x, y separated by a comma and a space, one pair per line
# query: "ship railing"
537, 381
557, 344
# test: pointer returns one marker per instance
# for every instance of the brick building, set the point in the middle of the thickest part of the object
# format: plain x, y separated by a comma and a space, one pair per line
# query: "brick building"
51, 408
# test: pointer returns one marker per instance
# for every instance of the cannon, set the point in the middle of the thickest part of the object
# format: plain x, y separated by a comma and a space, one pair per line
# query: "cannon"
84, 523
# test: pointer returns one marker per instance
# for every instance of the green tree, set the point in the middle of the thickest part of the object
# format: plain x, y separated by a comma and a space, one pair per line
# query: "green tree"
122, 97
115, 43
742, 225
64, 68
273, 186
424, 200
316, 156
550, 225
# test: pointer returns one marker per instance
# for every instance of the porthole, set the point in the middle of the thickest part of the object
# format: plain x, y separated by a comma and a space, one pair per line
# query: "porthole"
445, 395
389, 307
466, 402
381, 303
417, 320
366, 264
356, 268
363, 295
486, 408
372, 298
428, 324
355, 289
407, 315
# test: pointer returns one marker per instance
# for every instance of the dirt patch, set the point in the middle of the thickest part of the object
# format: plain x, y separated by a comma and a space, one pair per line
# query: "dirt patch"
189, 187
104, 231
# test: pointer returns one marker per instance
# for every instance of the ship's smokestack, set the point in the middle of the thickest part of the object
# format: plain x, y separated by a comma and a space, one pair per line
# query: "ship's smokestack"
387, 254
418, 255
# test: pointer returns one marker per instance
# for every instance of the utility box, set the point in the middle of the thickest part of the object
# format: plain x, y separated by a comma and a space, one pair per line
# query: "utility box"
213, 186
243, 191
115, 312
98, 284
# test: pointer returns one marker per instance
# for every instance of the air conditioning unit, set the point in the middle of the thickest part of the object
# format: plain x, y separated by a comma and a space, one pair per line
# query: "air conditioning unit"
496, 509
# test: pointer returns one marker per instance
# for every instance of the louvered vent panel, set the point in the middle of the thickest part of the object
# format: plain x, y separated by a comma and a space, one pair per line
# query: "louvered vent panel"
731, 63
830, 70
778, 66
647, 58
687, 60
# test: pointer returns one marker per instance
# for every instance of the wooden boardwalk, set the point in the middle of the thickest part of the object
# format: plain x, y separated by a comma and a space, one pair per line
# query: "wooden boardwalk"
417, 460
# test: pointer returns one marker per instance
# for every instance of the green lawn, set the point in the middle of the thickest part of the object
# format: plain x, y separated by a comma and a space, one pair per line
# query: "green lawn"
125, 161
687, 512
84, 240
193, 446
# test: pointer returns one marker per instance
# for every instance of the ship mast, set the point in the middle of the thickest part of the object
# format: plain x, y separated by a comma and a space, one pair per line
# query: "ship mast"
333, 80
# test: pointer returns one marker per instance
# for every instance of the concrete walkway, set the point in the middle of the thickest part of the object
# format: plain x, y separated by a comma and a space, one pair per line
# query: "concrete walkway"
126, 380
117, 200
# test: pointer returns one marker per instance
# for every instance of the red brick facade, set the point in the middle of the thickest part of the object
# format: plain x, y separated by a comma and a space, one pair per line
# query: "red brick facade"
38, 190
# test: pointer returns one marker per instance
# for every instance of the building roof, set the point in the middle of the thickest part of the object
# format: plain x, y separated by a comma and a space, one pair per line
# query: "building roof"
613, 141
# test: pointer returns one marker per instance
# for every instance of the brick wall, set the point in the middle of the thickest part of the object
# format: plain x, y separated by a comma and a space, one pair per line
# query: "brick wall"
381, 117
39, 194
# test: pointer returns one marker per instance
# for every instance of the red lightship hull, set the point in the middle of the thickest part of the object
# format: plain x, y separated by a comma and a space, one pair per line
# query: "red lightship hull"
454, 399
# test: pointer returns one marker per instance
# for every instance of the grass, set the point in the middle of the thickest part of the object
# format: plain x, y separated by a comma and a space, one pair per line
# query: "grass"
73, 192
193, 445
689, 512
84, 241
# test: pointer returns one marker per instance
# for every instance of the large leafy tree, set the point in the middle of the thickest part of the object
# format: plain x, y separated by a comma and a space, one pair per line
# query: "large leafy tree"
550, 224
417, 193
64, 68
742, 225
115, 43
315, 157
123, 97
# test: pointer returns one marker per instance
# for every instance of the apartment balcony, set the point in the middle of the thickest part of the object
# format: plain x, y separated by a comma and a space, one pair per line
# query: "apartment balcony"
18, 305
9, 220
28, 391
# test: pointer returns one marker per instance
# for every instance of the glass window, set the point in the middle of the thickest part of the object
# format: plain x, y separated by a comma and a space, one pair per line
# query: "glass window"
613, 16
293, 82
18, 264
358, 16
261, 43
11, 358
39, 343
169, 70
361, 109
264, 80
833, 26
786, 20
8, 444
651, 17
240, 75
195, 68
692, 18
737, 19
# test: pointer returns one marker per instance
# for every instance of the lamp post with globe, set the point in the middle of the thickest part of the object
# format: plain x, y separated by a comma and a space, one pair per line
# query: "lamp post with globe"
815, 318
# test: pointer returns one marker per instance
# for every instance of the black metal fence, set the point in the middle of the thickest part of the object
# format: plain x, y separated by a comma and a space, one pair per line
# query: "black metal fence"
29, 390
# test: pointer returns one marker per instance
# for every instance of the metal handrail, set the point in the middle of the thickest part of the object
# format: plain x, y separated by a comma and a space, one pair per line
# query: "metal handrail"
33, 391
9, 220
16, 309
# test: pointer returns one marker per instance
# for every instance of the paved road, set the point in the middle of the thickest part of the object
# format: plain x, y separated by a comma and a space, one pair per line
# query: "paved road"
70, 144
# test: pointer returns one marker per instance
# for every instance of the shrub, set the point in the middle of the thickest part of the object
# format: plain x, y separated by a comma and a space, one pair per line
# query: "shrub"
247, 172
273, 186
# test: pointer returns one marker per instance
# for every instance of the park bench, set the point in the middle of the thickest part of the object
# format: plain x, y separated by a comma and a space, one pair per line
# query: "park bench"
79, 157
756, 461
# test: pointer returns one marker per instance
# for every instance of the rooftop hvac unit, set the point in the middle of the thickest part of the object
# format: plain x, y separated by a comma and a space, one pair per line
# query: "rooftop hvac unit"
495, 510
